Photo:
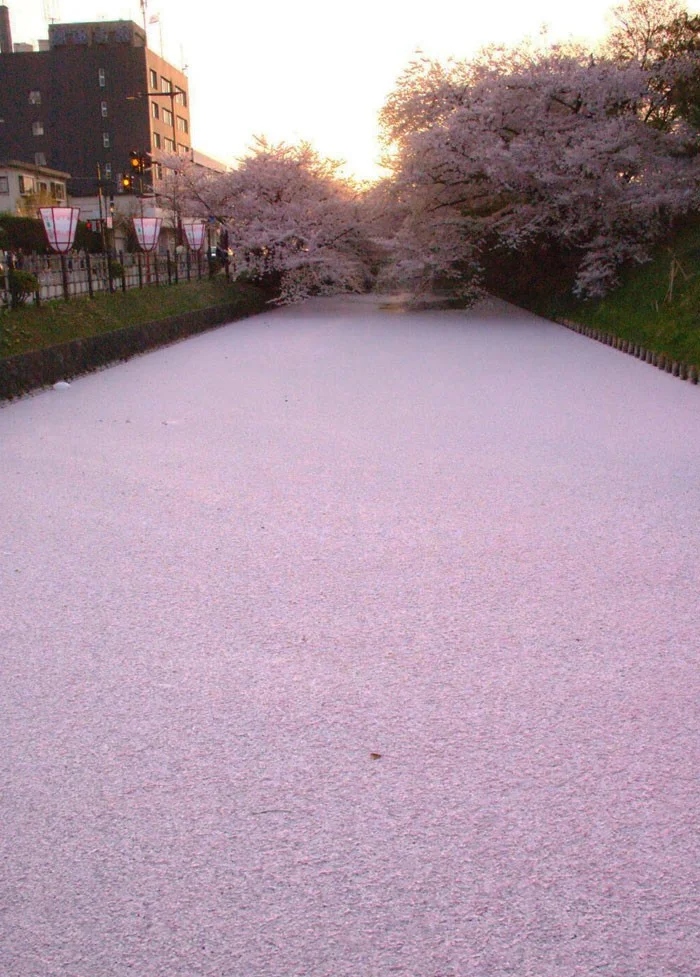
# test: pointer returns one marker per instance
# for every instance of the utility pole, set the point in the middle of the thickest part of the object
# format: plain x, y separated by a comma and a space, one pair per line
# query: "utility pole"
99, 204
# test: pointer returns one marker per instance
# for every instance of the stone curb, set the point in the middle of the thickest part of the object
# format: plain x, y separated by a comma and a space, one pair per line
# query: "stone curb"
683, 371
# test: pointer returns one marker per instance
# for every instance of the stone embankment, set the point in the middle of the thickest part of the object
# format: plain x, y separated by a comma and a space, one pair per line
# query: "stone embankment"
26, 372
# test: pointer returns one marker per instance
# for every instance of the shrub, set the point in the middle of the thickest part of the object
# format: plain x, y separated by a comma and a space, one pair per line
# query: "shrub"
22, 285
23, 234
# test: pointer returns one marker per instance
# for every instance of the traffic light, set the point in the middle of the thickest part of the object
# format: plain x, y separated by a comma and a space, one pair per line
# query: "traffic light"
132, 180
140, 162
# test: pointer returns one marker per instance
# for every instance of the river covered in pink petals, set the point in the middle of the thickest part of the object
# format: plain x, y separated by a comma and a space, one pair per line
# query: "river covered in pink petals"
351, 642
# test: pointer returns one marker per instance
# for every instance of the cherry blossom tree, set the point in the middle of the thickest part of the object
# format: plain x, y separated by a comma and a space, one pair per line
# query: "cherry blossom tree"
663, 39
639, 30
678, 69
529, 149
290, 218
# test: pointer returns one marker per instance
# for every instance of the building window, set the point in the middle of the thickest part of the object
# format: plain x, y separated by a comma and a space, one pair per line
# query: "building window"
105, 140
26, 184
37, 128
181, 98
4, 184
107, 171
43, 187
168, 145
40, 159
159, 171
183, 150
155, 112
167, 117
156, 140
57, 191
101, 77
35, 98
165, 85
103, 109
153, 78
182, 124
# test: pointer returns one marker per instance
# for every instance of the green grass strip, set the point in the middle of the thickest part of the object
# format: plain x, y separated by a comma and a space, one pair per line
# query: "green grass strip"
657, 305
30, 328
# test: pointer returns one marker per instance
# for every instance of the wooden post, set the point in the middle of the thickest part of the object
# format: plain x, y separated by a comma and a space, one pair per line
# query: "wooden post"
89, 273
64, 276
109, 272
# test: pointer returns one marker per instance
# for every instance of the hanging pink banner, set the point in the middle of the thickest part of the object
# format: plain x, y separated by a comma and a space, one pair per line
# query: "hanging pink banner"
194, 230
147, 232
60, 224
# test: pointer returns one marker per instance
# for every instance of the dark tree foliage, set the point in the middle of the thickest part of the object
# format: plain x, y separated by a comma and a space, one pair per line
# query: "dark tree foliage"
680, 50
27, 234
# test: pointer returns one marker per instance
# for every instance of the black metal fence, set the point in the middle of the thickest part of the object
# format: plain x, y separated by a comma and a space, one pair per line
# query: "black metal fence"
81, 273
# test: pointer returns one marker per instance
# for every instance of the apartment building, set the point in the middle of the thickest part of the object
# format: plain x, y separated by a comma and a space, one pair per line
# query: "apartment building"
24, 188
91, 94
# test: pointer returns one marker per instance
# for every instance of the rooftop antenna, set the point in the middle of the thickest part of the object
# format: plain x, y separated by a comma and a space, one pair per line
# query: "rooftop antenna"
156, 19
144, 11
51, 11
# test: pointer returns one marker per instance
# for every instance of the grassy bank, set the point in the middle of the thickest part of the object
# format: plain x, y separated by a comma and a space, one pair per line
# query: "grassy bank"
656, 306
28, 329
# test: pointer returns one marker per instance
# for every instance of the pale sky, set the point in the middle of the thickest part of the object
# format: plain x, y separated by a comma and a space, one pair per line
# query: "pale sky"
311, 69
